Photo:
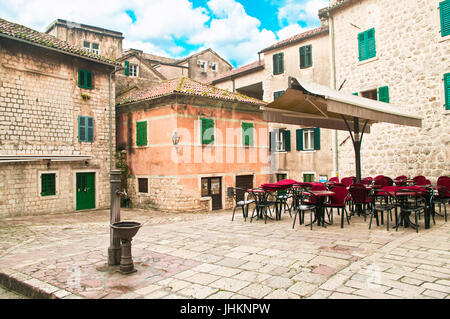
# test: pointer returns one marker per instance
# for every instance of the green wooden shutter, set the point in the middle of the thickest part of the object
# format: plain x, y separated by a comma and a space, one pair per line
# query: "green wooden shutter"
299, 134
356, 93
48, 184
383, 94
271, 143
362, 46
447, 90
302, 57
371, 49
81, 128
317, 138
81, 82
127, 68
281, 61
287, 140
206, 126
444, 8
141, 133
247, 134
90, 129
278, 63
308, 56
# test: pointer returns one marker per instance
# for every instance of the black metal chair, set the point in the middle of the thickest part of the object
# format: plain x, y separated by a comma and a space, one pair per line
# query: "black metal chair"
306, 203
263, 202
382, 201
283, 197
241, 201
441, 197
410, 202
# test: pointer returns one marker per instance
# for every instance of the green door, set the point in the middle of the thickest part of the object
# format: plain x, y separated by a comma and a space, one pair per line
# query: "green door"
85, 191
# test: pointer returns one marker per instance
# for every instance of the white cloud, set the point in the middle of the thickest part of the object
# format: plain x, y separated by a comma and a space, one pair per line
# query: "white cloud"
294, 11
290, 31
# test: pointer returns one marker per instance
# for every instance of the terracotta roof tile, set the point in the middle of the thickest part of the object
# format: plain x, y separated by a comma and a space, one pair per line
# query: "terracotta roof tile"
22, 33
297, 38
186, 86
246, 68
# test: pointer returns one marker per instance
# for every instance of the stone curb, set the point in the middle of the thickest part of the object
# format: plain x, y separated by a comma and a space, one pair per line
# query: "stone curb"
23, 288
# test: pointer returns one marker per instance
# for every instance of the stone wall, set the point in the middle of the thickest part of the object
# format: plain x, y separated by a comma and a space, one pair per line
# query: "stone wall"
40, 102
411, 59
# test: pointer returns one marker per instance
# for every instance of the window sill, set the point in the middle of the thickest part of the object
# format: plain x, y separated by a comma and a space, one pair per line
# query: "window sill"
375, 58
443, 39
308, 151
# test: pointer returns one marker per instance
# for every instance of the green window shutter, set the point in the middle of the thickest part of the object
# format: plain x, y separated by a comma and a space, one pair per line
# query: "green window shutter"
356, 93
299, 134
362, 46
287, 141
271, 142
81, 128
366, 44
302, 57
371, 49
278, 63
383, 94
444, 8
306, 56
317, 138
247, 134
81, 76
207, 127
447, 90
48, 184
141, 133
88, 79
127, 68
90, 129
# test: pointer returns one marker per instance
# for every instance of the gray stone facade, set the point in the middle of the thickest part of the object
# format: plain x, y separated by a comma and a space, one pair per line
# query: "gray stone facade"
411, 59
40, 102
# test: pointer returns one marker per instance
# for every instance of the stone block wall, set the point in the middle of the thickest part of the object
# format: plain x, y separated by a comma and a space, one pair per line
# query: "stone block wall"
411, 59
40, 102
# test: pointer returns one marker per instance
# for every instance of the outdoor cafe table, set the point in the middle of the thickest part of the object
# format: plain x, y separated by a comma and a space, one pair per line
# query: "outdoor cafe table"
320, 211
422, 190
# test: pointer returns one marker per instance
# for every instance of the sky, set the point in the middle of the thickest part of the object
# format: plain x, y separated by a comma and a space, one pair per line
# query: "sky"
236, 29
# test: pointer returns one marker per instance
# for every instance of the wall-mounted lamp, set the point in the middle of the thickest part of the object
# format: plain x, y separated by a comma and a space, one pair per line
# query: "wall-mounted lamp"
48, 164
176, 140
86, 163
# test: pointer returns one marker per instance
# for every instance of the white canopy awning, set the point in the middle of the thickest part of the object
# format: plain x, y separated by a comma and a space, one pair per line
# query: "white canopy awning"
306, 103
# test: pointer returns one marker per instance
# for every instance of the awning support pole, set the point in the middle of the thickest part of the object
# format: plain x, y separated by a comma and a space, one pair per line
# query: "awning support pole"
356, 139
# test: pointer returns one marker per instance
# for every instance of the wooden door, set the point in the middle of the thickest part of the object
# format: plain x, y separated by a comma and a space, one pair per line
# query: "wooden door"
85, 188
244, 182
212, 186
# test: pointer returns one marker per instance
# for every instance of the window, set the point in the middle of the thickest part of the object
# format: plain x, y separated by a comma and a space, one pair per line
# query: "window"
202, 65
277, 94
280, 140
278, 63
281, 176
447, 90
91, 47
207, 131
305, 56
48, 184
85, 79
141, 133
131, 69
372, 94
247, 134
366, 44
85, 128
444, 8
143, 185
309, 178
382, 94
214, 66
308, 139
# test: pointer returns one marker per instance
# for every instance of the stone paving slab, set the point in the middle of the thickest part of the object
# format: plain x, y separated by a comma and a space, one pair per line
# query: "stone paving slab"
208, 256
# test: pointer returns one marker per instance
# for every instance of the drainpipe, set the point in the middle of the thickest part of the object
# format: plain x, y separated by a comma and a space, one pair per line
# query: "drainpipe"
333, 85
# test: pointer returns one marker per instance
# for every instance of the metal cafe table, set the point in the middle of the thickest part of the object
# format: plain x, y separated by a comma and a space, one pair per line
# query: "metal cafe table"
424, 191
321, 196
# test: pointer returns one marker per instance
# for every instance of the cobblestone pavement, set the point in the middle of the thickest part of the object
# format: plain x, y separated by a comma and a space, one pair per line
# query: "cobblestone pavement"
208, 256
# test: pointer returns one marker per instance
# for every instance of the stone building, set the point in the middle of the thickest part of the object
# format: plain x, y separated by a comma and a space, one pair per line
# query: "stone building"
300, 153
143, 70
57, 124
97, 40
187, 142
397, 52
